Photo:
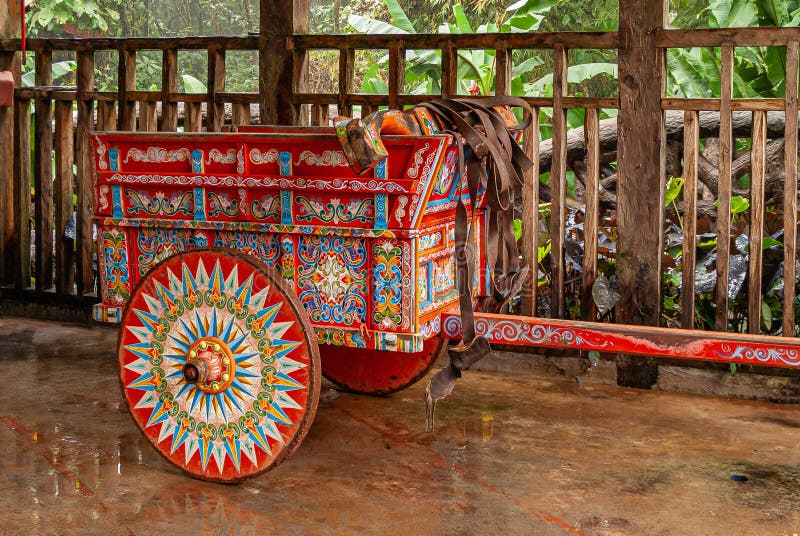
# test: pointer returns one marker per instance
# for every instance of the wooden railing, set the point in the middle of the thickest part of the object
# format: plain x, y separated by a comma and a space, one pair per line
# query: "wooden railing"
65, 271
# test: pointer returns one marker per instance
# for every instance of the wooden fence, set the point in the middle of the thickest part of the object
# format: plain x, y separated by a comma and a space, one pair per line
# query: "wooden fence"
65, 268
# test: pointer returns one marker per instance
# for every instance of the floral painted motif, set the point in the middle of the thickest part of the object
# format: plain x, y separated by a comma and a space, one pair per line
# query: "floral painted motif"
332, 279
388, 284
261, 245
115, 261
327, 159
335, 211
268, 207
222, 205
157, 155
160, 204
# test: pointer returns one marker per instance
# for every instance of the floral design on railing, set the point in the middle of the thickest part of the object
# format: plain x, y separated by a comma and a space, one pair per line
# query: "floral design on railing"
115, 256
753, 354
231, 181
327, 158
222, 204
335, 211
215, 155
160, 204
101, 156
413, 170
388, 284
267, 207
157, 155
267, 157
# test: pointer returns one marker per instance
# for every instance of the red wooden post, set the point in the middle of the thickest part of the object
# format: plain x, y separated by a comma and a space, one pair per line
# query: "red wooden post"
281, 74
9, 27
640, 168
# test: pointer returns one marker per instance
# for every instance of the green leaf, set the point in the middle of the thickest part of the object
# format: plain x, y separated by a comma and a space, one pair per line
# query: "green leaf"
543, 251
739, 204
399, 17
372, 26
674, 186
770, 242
462, 22
517, 229
575, 75
733, 368
193, 85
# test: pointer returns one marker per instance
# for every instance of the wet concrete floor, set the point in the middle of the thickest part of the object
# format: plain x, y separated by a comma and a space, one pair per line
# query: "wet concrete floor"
509, 455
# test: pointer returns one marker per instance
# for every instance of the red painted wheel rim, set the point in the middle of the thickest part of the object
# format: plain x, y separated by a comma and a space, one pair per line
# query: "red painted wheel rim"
377, 372
232, 307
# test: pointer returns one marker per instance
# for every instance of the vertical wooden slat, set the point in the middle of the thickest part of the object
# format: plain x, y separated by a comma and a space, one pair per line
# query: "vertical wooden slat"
8, 265
193, 120
43, 176
241, 114
790, 191
757, 175
148, 116
502, 80
724, 194
215, 114
397, 69
106, 116
319, 115
592, 214
169, 85
558, 183
126, 82
691, 142
449, 70
64, 187
346, 72
530, 216
85, 82
22, 192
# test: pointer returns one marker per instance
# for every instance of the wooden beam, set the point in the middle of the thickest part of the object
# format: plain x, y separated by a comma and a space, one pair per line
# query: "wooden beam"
43, 176
640, 172
64, 188
215, 114
691, 147
558, 184
724, 192
757, 179
281, 67
169, 85
790, 190
126, 82
84, 157
22, 193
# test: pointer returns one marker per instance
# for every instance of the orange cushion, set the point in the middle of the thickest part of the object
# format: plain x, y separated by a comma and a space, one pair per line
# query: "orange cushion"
6, 88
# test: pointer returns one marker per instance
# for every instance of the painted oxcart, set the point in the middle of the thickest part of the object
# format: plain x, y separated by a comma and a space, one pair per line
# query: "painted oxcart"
243, 266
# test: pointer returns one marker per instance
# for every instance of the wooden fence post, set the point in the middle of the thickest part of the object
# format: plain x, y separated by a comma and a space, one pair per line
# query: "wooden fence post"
9, 61
640, 169
281, 73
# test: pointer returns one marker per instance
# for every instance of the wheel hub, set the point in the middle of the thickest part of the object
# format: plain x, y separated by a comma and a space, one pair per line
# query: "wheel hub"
209, 365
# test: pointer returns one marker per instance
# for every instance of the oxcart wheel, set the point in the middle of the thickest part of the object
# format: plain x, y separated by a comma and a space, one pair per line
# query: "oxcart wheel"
219, 364
375, 372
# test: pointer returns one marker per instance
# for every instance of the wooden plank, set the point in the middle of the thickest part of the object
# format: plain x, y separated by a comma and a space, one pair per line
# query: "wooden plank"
106, 116
502, 79
760, 37
691, 147
169, 85
591, 218
215, 113
240, 114
757, 176
193, 120
449, 70
7, 206
319, 115
522, 40
790, 191
737, 105
530, 220
134, 43
43, 177
22, 193
83, 184
126, 83
282, 67
630, 339
397, 70
148, 117
724, 193
640, 176
558, 184
64, 188
346, 72
232, 97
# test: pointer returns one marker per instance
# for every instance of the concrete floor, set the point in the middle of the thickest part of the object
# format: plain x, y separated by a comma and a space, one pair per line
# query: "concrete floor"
509, 456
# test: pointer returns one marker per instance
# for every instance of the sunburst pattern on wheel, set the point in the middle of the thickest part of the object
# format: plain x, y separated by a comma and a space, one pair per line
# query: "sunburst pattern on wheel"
223, 311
